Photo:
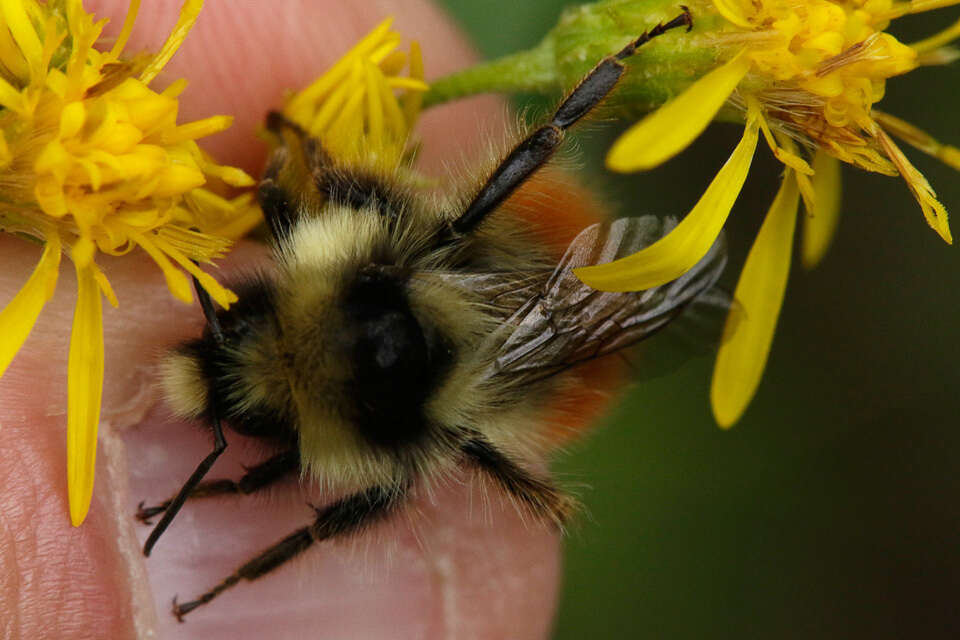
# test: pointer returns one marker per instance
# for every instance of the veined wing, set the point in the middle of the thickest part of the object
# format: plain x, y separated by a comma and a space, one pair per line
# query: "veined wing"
566, 322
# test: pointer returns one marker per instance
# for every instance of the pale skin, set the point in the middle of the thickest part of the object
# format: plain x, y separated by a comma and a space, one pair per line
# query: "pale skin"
451, 565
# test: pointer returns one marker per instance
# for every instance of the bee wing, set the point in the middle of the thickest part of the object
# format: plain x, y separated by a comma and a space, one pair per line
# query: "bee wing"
566, 322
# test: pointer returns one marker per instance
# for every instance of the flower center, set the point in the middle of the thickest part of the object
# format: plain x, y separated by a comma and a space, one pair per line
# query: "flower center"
819, 66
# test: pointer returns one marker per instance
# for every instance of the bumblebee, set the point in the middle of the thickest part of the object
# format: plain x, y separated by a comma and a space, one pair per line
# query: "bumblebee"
398, 335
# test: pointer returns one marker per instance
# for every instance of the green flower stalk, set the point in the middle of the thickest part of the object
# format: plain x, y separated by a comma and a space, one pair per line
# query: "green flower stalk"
583, 36
803, 76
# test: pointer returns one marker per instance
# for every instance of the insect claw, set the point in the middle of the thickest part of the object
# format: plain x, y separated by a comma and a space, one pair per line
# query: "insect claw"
180, 610
176, 610
687, 17
145, 513
142, 514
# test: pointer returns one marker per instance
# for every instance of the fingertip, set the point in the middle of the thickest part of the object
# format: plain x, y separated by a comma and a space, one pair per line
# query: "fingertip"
239, 62
61, 581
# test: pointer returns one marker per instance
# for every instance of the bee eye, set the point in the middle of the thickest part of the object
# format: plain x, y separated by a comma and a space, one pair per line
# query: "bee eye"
394, 363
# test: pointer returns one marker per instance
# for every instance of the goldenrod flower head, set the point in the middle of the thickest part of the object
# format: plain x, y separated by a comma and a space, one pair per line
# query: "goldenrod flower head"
353, 108
92, 159
805, 75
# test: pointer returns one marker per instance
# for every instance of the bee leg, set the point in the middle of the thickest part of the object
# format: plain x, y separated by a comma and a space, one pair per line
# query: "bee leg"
345, 516
174, 505
309, 154
277, 207
539, 495
219, 442
534, 151
290, 170
258, 477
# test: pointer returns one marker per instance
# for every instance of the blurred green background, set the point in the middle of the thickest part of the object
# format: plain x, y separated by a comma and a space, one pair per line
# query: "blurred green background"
832, 510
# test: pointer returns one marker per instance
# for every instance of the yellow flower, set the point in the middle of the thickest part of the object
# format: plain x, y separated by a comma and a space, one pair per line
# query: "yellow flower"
806, 76
353, 109
92, 159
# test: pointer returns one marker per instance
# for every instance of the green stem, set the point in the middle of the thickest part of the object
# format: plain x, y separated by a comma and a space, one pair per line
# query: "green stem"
530, 71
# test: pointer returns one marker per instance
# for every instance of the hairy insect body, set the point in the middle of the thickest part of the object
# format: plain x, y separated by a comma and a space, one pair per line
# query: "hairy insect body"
369, 354
397, 336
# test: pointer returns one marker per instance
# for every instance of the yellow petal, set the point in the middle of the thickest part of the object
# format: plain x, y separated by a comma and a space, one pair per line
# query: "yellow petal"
807, 194
83, 251
918, 138
84, 384
317, 121
71, 119
177, 283
176, 180
374, 120
785, 151
669, 129
10, 98
394, 121
132, 9
749, 329
197, 245
188, 16
384, 54
671, 256
196, 129
399, 82
820, 224
733, 12
49, 196
227, 218
231, 175
21, 313
898, 9
105, 288
12, 58
302, 104
85, 34
175, 88
16, 19
223, 296
933, 211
